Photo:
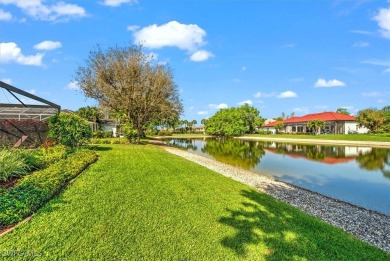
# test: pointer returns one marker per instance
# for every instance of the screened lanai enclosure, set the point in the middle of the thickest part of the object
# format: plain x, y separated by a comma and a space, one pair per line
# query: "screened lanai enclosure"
23, 116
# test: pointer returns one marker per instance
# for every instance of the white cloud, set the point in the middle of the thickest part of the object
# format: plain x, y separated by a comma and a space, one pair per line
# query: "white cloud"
387, 70
218, 106
48, 45
348, 107
73, 86
10, 52
377, 62
133, 28
40, 11
6, 80
5, 16
203, 112
264, 95
362, 32
287, 94
116, 3
372, 94
331, 83
183, 36
200, 56
249, 102
243, 68
361, 44
188, 37
383, 19
32, 91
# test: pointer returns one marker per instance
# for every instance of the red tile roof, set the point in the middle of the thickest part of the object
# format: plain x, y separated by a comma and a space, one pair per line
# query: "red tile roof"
271, 124
323, 116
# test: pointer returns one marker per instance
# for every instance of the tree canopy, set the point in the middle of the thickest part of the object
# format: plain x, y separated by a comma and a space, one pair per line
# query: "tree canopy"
90, 113
371, 118
343, 111
234, 121
126, 80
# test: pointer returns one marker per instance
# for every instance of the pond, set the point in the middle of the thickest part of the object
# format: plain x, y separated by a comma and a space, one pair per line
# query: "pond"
354, 174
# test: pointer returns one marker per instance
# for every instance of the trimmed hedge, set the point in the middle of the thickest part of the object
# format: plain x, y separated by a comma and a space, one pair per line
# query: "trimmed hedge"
34, 190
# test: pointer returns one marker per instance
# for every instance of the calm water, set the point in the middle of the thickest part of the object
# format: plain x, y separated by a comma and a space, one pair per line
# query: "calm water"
358, 175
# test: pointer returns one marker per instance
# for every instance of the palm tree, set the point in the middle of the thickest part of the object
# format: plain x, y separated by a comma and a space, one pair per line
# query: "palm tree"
316, 125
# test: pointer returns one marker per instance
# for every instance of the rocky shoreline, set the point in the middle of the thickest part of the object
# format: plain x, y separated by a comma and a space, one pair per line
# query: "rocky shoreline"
369, 226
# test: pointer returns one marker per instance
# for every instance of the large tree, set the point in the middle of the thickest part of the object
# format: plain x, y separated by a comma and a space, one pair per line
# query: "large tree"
127, 80
371, 118
233, 121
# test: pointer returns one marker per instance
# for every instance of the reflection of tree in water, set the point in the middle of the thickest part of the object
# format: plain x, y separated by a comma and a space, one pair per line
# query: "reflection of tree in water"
187, 144
235, 152
377, 159
315, 153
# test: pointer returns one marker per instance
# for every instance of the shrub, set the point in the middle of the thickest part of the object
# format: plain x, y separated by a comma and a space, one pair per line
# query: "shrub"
53, 154
69, 130
164, 133
12, 165
115, 142
34, 190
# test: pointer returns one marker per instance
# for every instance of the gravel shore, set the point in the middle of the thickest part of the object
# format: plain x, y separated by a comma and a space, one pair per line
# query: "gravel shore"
369, 226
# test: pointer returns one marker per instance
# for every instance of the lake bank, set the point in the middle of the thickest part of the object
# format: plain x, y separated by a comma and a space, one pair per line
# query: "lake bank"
369, 226
381, 144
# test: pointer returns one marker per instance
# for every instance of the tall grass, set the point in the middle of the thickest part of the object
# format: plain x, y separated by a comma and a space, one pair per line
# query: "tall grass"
12, 165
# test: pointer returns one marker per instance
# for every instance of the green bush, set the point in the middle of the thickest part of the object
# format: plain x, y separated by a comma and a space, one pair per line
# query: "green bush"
34, 190
102, 134
69, 130
50, 155
164, 133
12, 165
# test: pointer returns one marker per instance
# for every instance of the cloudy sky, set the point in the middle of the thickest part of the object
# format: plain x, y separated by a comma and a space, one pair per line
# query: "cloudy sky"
279, 56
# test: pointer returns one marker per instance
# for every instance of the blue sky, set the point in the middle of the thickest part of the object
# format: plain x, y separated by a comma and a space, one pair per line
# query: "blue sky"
279, 56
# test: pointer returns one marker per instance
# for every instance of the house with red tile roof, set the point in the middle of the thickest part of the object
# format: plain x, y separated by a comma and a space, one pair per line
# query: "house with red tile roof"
335, 123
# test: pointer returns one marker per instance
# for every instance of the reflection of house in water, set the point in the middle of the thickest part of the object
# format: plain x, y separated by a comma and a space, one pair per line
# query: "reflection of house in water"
320, 153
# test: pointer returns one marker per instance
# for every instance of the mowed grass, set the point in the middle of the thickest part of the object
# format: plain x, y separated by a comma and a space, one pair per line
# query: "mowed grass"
349, 137
139, 202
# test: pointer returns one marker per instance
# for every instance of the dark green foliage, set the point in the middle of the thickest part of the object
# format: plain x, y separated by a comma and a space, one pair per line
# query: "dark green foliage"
234, 121
36, 189
343, 111
69, 130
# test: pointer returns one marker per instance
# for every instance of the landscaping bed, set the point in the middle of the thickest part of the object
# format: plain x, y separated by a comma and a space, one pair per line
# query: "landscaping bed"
20, 198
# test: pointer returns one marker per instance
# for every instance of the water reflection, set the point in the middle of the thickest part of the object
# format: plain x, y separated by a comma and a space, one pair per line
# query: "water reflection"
359, 175
238, 153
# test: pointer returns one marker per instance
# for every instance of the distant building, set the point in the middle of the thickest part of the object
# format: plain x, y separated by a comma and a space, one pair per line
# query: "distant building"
335, 123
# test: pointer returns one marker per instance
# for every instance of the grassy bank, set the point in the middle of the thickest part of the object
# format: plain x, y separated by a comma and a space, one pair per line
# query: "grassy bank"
349, 137
142, 203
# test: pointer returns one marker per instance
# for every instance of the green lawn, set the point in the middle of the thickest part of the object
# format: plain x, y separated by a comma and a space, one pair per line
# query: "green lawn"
138, 202
351, 137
